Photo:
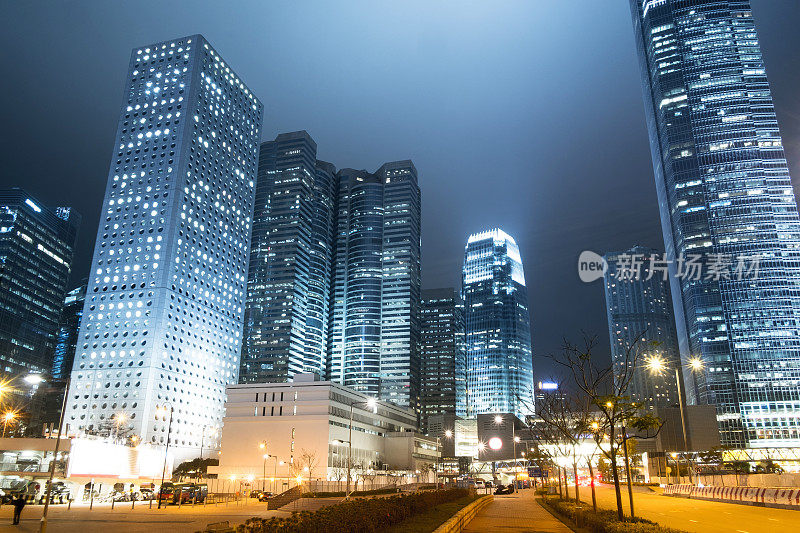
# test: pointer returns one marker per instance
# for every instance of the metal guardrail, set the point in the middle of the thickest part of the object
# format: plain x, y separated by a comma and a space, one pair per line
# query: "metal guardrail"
768, 497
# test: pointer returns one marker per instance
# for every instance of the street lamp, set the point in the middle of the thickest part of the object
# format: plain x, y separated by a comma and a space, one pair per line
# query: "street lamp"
162, 411
372, 404
43, 523
9, 417
263, 445
119, 419
656, 365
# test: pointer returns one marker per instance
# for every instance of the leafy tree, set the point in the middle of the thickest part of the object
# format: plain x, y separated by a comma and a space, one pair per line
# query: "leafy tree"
195, 468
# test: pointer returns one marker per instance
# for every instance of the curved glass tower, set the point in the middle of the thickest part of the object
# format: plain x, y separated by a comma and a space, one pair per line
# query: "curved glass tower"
724, 191
498, 330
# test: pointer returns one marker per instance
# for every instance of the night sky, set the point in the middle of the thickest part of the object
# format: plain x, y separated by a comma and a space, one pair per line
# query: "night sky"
524, 115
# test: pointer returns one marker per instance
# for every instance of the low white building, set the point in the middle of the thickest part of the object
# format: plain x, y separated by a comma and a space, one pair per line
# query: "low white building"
281, 431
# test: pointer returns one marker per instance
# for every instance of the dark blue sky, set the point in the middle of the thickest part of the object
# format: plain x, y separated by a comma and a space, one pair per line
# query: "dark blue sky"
525, 115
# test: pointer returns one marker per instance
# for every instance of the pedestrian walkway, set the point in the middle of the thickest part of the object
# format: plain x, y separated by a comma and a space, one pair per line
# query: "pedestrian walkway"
518, 512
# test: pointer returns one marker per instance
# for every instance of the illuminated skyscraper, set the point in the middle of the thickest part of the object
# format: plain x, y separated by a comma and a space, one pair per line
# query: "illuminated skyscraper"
376, 283
68, 331
443, 380
36, 248
162, 322
641, 324
724, 191
498, 329
286, 318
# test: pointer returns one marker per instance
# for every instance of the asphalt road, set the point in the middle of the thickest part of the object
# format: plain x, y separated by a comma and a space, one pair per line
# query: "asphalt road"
698, 515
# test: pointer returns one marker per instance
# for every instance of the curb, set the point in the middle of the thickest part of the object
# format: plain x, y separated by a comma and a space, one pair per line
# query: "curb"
457, 522
558, 517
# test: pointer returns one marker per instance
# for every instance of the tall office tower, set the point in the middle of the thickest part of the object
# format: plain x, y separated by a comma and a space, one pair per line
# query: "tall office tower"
161, 332
36, 248
374, 330
498, 329
400, 290
68, 331
286, 313
641, 325
724, 190
443, 379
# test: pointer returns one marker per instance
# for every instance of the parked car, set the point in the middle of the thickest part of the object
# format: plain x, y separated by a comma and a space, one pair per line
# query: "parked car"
265, 496
507, 489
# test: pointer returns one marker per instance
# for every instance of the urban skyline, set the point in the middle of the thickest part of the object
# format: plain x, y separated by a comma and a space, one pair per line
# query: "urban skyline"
256, 326
507, 118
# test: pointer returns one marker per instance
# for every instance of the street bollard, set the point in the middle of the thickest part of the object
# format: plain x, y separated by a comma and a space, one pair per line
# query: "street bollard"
69, 504
133, 503
112, 503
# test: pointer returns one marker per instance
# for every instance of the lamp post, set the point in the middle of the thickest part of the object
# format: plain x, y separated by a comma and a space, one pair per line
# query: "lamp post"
371, 403
275, 472
264, 445
656, 365
43, 522
166, 451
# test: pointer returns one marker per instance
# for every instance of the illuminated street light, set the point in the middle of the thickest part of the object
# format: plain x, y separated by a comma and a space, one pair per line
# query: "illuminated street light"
516, 439
695, 363
9, 417
33, 379
655, 364
498, 419
448, 434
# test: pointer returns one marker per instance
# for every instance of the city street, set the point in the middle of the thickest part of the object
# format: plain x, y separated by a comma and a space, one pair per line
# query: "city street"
698, 515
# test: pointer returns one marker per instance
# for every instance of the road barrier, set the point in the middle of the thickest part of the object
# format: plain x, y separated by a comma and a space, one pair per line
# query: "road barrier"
462, 518
787, 498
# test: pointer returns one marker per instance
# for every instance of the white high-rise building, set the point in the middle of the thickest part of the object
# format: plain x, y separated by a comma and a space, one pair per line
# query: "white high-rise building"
162, 322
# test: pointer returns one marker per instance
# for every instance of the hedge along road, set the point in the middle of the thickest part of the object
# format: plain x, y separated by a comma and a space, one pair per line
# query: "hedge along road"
701, 516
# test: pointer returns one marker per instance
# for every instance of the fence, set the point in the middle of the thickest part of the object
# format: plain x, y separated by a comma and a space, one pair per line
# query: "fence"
768, 497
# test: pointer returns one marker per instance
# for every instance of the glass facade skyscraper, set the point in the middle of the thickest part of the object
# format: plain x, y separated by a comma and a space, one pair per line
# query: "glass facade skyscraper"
443, 379
724, 189
162, 321
498, 329
334, 273
68, 330
36, 249
286, 313
640, 309
376, 283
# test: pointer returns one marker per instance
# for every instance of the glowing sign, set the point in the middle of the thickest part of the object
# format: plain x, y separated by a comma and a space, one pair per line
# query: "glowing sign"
548, 385
33, 206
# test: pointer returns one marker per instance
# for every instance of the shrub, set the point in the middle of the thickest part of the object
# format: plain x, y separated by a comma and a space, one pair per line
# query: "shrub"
604, 520
355, 516
390, 490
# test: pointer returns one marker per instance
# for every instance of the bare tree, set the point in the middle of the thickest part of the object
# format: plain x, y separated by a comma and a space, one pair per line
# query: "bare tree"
308, 461
606, 390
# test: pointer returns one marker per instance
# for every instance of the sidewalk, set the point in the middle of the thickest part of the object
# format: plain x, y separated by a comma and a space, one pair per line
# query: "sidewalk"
516, 512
